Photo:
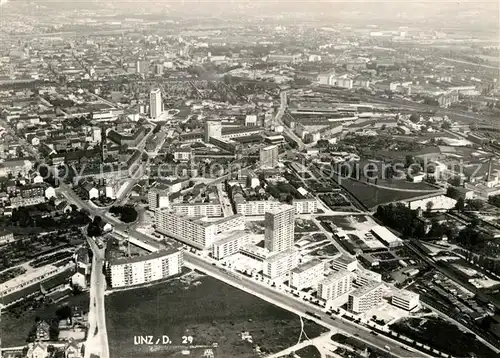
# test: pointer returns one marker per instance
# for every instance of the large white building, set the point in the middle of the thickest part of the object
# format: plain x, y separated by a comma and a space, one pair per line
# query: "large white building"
335, 285
269, 156
405, 299
251, 120
183, 154
365, 297
345, 263
366, 276
229, 244
256, 207
155, 103
307, 274
195, 231
280, 228
280, 264
385, 236
158, 198
131, 271
212, 128
305, 206
198, 209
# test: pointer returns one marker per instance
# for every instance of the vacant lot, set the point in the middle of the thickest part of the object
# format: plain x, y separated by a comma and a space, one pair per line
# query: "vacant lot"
328, 250
360, 345
346, 222
442, 335
206, 309
302, 225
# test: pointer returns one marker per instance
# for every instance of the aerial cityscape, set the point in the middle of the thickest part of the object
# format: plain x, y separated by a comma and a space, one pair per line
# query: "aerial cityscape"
236, 178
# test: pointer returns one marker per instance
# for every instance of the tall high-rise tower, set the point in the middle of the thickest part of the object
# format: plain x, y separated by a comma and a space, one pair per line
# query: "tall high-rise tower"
280, 228
213, 128
155, 103
269, 156
104, 148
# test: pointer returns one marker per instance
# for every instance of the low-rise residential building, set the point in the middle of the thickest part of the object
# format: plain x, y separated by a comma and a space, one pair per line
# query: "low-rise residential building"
42, 332
305, 206
37, 350
365, 297
364, 277
90, 191
229, 244
307, 274
79, 278
405, 299
82, 259
72, 349
19, 201
31, 191
131, 271
281, 263
345, 263
183, 154
6, 237
335, 285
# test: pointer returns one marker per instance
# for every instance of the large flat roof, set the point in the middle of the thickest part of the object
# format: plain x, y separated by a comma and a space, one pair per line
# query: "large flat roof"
406, 295
363, 290
229, 236
334, 276
308, 265
152, 256
385, 234
281, 255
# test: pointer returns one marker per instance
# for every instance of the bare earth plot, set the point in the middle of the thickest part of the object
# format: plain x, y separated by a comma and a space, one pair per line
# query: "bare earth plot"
206, 309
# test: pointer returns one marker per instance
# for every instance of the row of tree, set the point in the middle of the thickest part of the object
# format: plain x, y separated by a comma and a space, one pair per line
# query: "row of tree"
489, 264
126, 213
399, 217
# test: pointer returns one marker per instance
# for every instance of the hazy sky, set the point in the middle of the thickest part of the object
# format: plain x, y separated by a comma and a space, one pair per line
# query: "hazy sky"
480, 11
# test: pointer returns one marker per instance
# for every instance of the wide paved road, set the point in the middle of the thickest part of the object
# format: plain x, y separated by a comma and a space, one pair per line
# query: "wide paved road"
289, 132
97, 344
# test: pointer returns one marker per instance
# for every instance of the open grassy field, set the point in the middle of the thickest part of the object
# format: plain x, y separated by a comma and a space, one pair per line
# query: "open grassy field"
372, 196
308, 352
204, 308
